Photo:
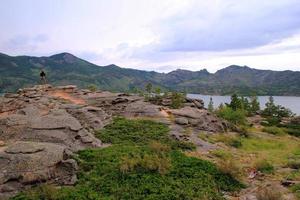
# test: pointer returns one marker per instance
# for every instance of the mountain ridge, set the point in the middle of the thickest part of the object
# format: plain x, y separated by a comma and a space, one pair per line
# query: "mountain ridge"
66, 68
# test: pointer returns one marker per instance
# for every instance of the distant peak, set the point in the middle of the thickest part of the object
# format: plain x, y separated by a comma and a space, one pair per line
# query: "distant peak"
62, 55
65, 57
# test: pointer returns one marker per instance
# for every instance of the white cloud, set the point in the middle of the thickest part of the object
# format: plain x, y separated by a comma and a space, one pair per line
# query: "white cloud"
157, 34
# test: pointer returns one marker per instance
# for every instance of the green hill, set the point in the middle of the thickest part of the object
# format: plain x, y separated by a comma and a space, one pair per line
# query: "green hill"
21, 71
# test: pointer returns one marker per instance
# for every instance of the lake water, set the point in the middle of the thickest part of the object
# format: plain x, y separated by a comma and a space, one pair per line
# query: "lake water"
292, 103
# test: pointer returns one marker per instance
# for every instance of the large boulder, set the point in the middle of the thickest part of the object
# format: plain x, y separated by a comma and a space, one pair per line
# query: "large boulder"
24, 163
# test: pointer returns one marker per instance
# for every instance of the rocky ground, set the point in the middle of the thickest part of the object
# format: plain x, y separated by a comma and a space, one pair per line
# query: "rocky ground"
42, 127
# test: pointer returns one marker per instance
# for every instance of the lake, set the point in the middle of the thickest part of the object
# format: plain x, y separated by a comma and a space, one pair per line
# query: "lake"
292, 103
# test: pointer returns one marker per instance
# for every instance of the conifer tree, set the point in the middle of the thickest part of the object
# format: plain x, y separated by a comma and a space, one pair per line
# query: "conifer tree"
210, 105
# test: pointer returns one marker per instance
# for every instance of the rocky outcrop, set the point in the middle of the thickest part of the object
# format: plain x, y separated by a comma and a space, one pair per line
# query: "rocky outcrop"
39, 133
198, 118
43, 126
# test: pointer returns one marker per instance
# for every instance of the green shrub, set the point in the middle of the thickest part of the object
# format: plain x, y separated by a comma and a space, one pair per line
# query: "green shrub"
243, 131
264, 167
92, 87
296, 189
294, 132
177, 100
237, 117
273, 121
137, 131
235, 143
294, 164
274, 130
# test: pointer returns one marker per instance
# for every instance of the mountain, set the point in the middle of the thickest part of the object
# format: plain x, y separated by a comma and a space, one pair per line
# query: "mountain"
65, 68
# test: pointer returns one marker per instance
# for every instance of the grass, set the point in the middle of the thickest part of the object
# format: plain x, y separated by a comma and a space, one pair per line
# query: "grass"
141, 163
269, 193
139, 132
274, 130
229, 140
296, 189
227, 163
276, 150
264, 166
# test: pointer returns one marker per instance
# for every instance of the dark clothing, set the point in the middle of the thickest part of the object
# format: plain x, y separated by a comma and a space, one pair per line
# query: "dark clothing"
42, 74
43, 77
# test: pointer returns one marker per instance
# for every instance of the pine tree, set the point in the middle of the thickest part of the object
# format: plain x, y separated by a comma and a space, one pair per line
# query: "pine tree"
235, 103
149, 88
254, 103
270, 109
211, 105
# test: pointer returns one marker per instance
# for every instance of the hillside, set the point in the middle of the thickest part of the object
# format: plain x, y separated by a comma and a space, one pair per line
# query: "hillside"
65, 68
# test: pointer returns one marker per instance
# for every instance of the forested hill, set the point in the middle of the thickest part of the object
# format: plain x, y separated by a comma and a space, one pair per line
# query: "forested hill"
21, 71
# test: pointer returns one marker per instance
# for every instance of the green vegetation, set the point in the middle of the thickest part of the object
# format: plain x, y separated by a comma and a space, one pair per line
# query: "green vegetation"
292, 128
92, 87
296, 189
238, 109
242, 103
227, 163
273, 130
230, 140
274, 113
148, 88
276, 150
141, 163
264, 166
177, 100
237, 117
210, 106
138, 131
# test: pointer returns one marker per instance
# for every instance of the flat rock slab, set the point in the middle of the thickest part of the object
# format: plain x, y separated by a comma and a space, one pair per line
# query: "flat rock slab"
189, 112
56, 120
25, 148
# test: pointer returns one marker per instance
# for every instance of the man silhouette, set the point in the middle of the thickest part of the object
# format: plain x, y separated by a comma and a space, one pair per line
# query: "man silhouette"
43, 77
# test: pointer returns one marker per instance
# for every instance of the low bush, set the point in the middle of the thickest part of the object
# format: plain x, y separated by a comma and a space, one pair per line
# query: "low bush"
237, 117
237, 143
139, 131
274, 130
268, 193
264, 166
296, 189
151, 162
229, 140
243, 131
294, 132
177, 100
294, 164
230, 167
92, 87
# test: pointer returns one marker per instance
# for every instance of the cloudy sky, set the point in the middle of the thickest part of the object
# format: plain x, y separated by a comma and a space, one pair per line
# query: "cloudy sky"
159, 35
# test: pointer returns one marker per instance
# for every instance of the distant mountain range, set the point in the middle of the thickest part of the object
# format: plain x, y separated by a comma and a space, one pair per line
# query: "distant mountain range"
64, 68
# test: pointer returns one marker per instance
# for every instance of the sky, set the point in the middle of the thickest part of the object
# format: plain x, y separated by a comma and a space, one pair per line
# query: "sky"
158, 35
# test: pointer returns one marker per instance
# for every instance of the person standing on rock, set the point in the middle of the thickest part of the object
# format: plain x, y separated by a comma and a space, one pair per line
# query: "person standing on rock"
43, 77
